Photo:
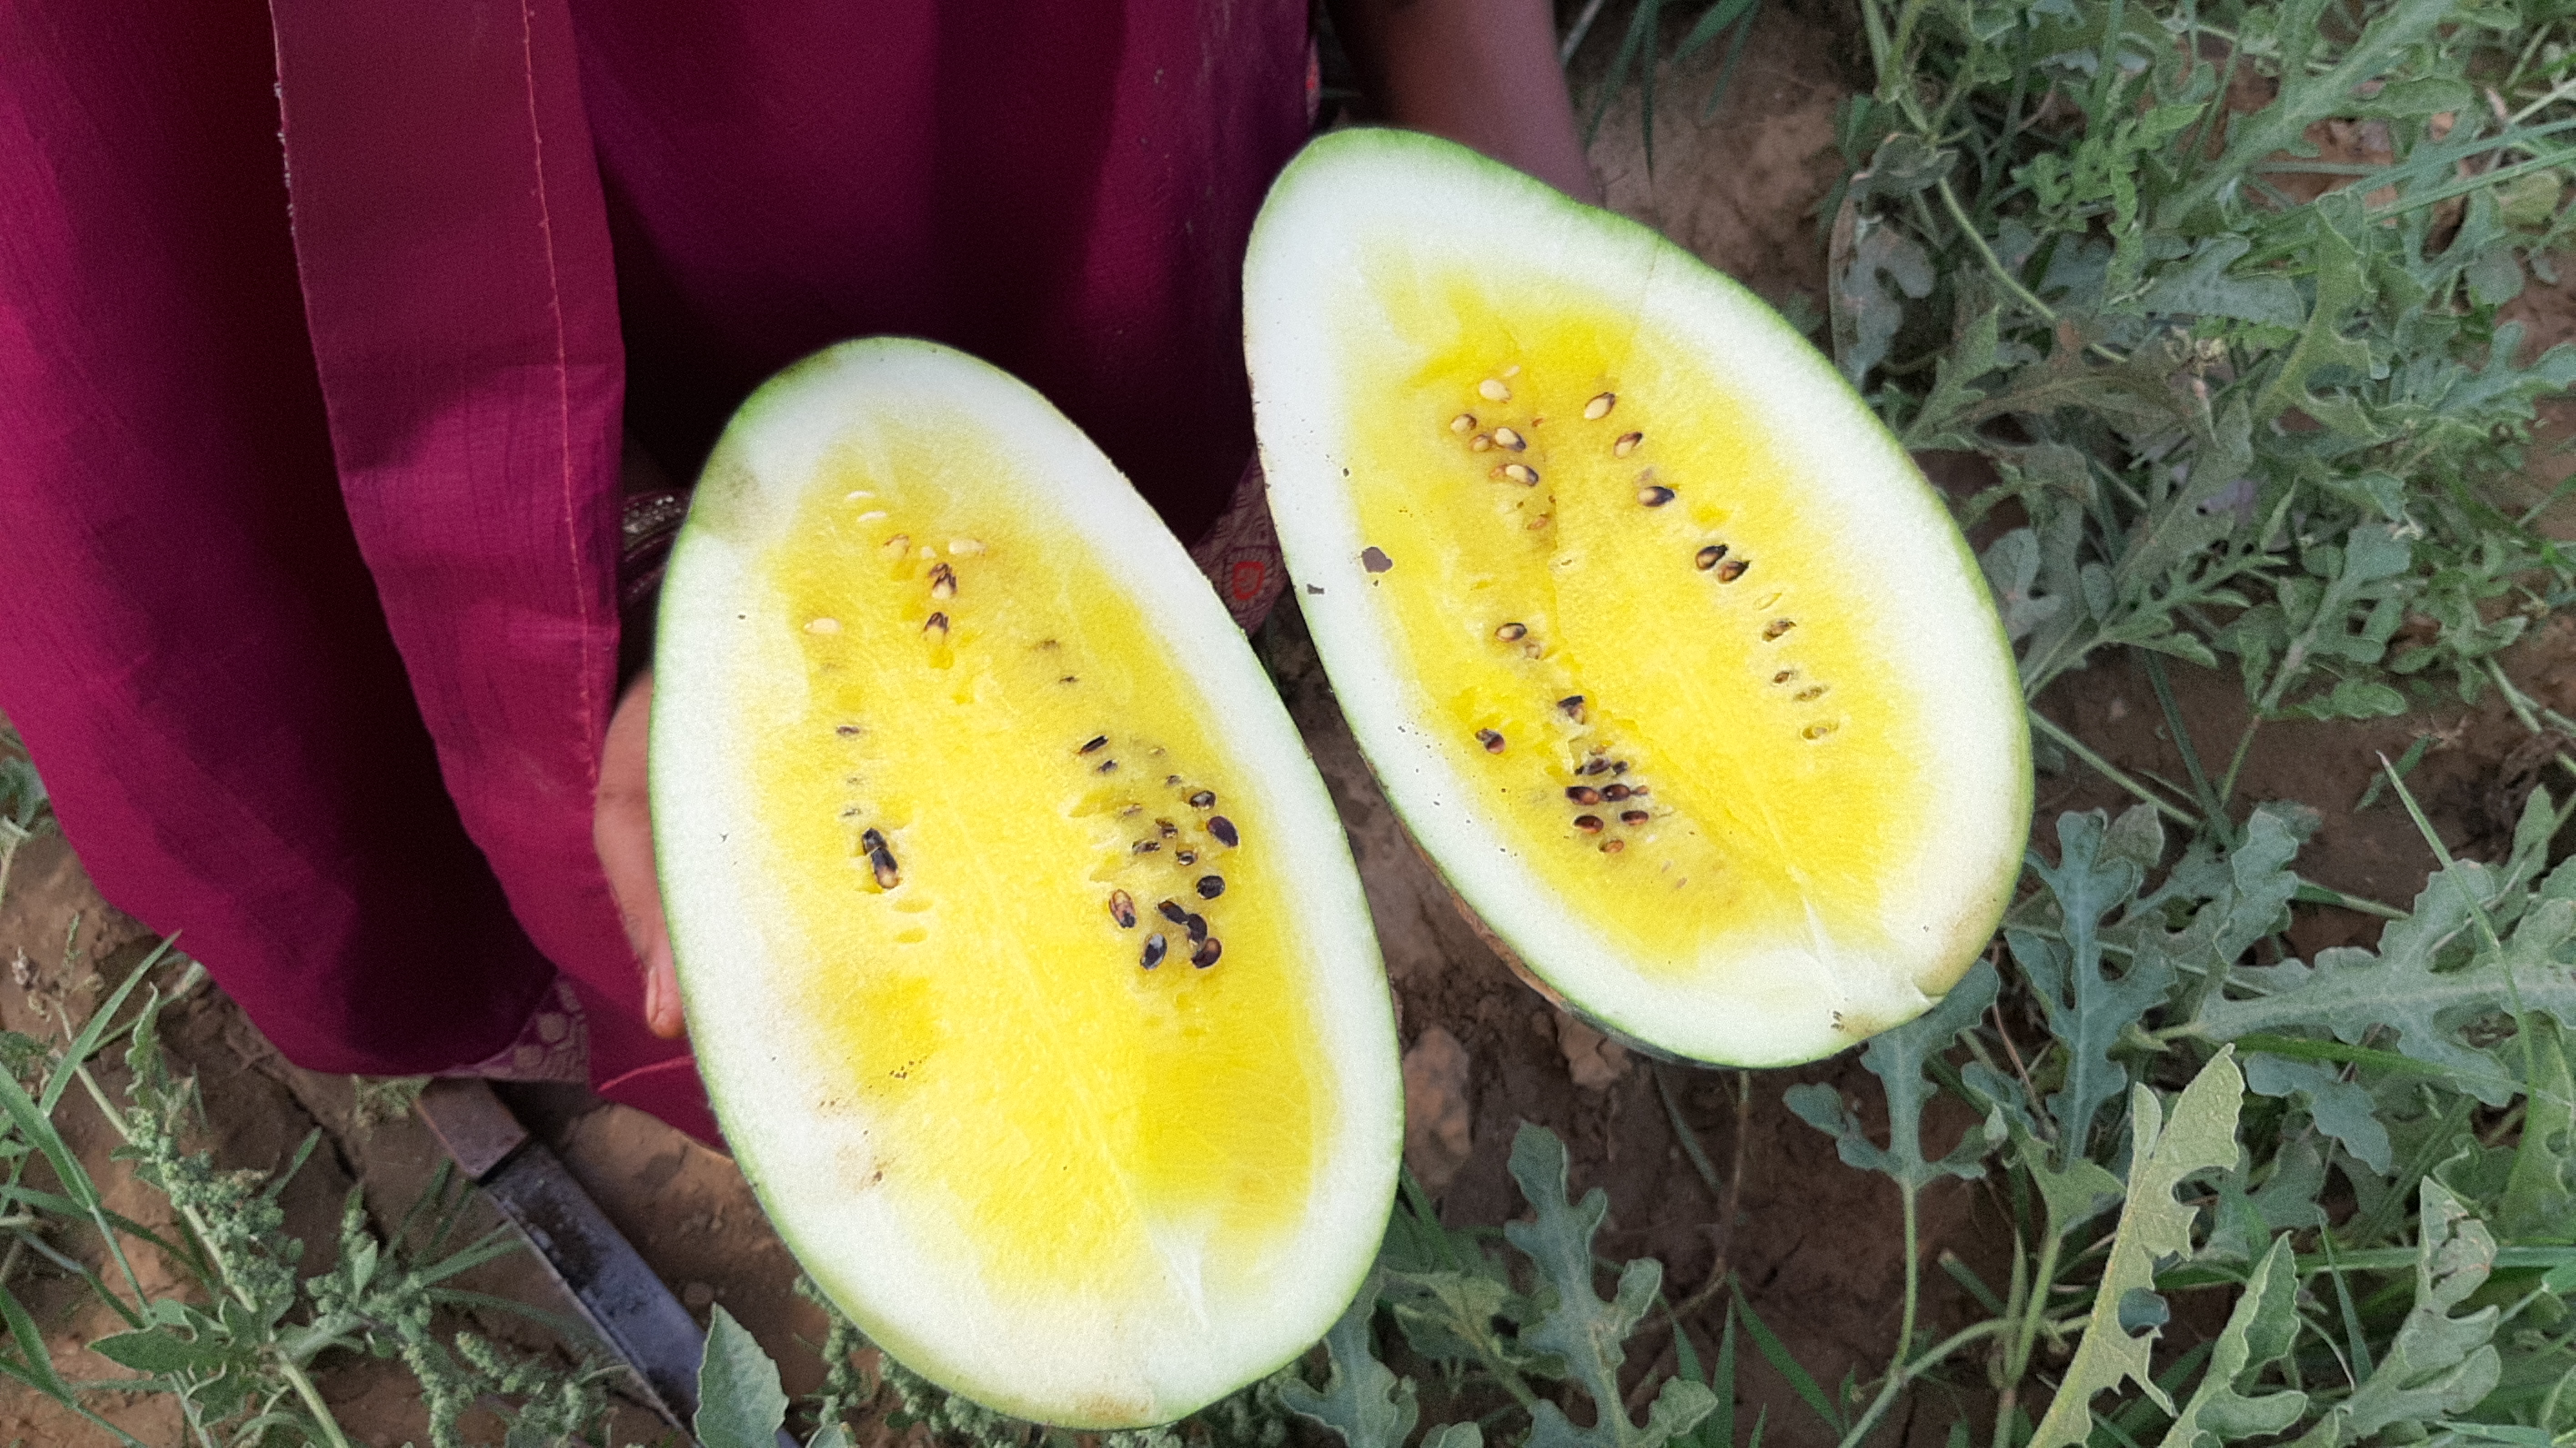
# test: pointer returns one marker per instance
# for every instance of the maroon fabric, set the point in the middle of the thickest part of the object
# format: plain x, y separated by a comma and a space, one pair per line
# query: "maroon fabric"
278, 498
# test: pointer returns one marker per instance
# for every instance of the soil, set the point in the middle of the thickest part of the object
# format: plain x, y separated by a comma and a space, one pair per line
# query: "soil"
1815, 1245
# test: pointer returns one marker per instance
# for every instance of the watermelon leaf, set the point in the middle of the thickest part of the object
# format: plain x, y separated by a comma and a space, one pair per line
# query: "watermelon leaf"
2260, 1330
1361, 1400
1896, 1057
2086, 1010
740, 1404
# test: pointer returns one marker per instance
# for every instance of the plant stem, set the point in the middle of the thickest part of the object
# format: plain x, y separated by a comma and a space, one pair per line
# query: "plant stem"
2112, 772
1898, 1373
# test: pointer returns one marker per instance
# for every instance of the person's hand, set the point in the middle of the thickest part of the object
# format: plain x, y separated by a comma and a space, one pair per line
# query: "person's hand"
1480, 72
621, 827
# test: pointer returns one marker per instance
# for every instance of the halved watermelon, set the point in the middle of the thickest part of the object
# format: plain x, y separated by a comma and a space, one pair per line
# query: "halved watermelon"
1020, 943
1665, 652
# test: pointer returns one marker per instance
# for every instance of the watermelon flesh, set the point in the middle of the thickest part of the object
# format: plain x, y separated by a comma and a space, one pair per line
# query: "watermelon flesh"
1663, 649
1020, 946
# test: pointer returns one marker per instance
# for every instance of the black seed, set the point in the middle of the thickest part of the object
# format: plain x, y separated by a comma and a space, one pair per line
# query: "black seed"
1594, 766
1203, 800
882, 862
1583, 794
1207, 953
1375, 560
1223, 829
1708, 557
1155, 945
1106, 766
1511, 632
1618, 766
1144, 847
1186, 857
1589, 824
1171, 910
1732, 569
1211, 886
1616, 793
1632, 817
1571, 705
1094, 743
1655, 496
1167, 829
1122, 908
1311, 588
870, 841
1196, 925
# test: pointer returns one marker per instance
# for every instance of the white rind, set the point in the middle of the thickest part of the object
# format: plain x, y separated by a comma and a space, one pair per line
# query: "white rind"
1066, 1359
1352, 195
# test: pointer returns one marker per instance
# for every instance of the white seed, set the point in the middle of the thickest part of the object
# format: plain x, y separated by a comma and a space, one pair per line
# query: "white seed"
1493, 390
1505, 437
1626, 444
1521, 473
928, 552
1599, 407
1480, 442
960, 547
855, 494
895, 545
1463, 422
1512, 371
872, 515
823, 626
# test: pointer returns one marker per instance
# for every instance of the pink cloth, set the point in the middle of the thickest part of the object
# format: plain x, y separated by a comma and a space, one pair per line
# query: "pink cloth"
307, 605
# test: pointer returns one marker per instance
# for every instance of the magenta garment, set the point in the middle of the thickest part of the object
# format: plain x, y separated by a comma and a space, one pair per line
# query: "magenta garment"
311, 530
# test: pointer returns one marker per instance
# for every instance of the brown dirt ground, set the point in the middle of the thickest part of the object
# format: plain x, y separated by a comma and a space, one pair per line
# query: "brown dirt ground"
1816, 1245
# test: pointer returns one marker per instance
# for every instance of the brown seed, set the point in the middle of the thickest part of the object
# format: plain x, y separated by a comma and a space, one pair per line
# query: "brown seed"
1167, 829
1207, 953
1521, 473
1616, 793
1626, 444
1612, 847
1819, 730
1223, 829
1771, 631
1582, 794
1122, 908
1463, 422
1511, 632
943, 581
846, 731
1493, 390
1203, 799
1492, 741
1211, 886
1106, 766
937, 623
1144, 847
1588, 823
1784, 676
1599, 407
1632, 817
1732, 569
1595, 765
1810, 694
1707, 558
1572, 707
1169, 778
1172, 910
881, 861
1093, 745
1155, 945
1654, 496
1640, 792
1504, 437
1618, 766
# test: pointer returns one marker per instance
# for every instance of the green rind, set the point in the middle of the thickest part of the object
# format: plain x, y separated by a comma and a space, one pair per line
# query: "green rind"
1322, 176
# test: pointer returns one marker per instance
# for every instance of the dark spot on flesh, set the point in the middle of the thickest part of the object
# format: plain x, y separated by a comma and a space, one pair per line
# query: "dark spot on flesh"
1207, 953
1589, 824
1709, 557
1203, 799
1375, 560
1492, 741
1583, 794
1732, 569
1311, 588
1211, 886
1155, 945
847, 731
1223, 829
1122, 908
1068, 679
1093, 744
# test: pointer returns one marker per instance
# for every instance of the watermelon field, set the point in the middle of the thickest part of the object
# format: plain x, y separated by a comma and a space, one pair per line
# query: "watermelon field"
2239, 339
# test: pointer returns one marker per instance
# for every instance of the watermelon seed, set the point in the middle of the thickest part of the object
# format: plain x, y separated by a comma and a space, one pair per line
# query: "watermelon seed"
936, 623
1708, 557
1626, 444
1612, 847
1572, 707
1776, 627
1599, 407
1480, 442
1144, 847
856, 494
1522, 474
823, 626
870, 517
1618, 792
943, 581
1589, 824
1122, 908
881, 860
1511, 632
1131, 811
1068, 679
1632, 816
1463, 422
1582, 794
1168, 830
895, 546
1505, 437
1784, 676
871, 841
1106, 766
1169, 778
1531, 651
1196, 925
1492, 741
1209, 949
1618, 766
1811, 693
1595, 765
1154, 948
1732, 569
1203, 800
846, 731
1655, 495
1186, 857
1172, 911
1493, 390
1223, 829
1093, 744
1819, 730
960, 547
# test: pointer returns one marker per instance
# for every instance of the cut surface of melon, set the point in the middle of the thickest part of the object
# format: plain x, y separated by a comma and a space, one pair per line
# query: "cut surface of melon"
1664, 650
1021, 950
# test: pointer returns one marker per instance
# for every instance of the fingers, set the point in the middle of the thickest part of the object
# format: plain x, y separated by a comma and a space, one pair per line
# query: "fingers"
622, 831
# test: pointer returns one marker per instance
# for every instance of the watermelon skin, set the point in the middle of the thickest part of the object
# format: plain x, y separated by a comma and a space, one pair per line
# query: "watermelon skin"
889, 1215
1374, 242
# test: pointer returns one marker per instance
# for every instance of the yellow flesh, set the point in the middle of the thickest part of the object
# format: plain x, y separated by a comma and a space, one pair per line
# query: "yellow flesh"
1037, 1100
1776, 813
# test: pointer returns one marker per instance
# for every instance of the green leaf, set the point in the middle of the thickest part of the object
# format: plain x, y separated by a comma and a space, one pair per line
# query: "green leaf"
2202, 288
2341, 288
1896, 1057
2260, 1330
740, 1404
1590, 1334
2341, 1109
2439, 1363
2087, 1011
2539, 1203
2199, 1135
159, 1350
1454, 1435
1361, 1400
